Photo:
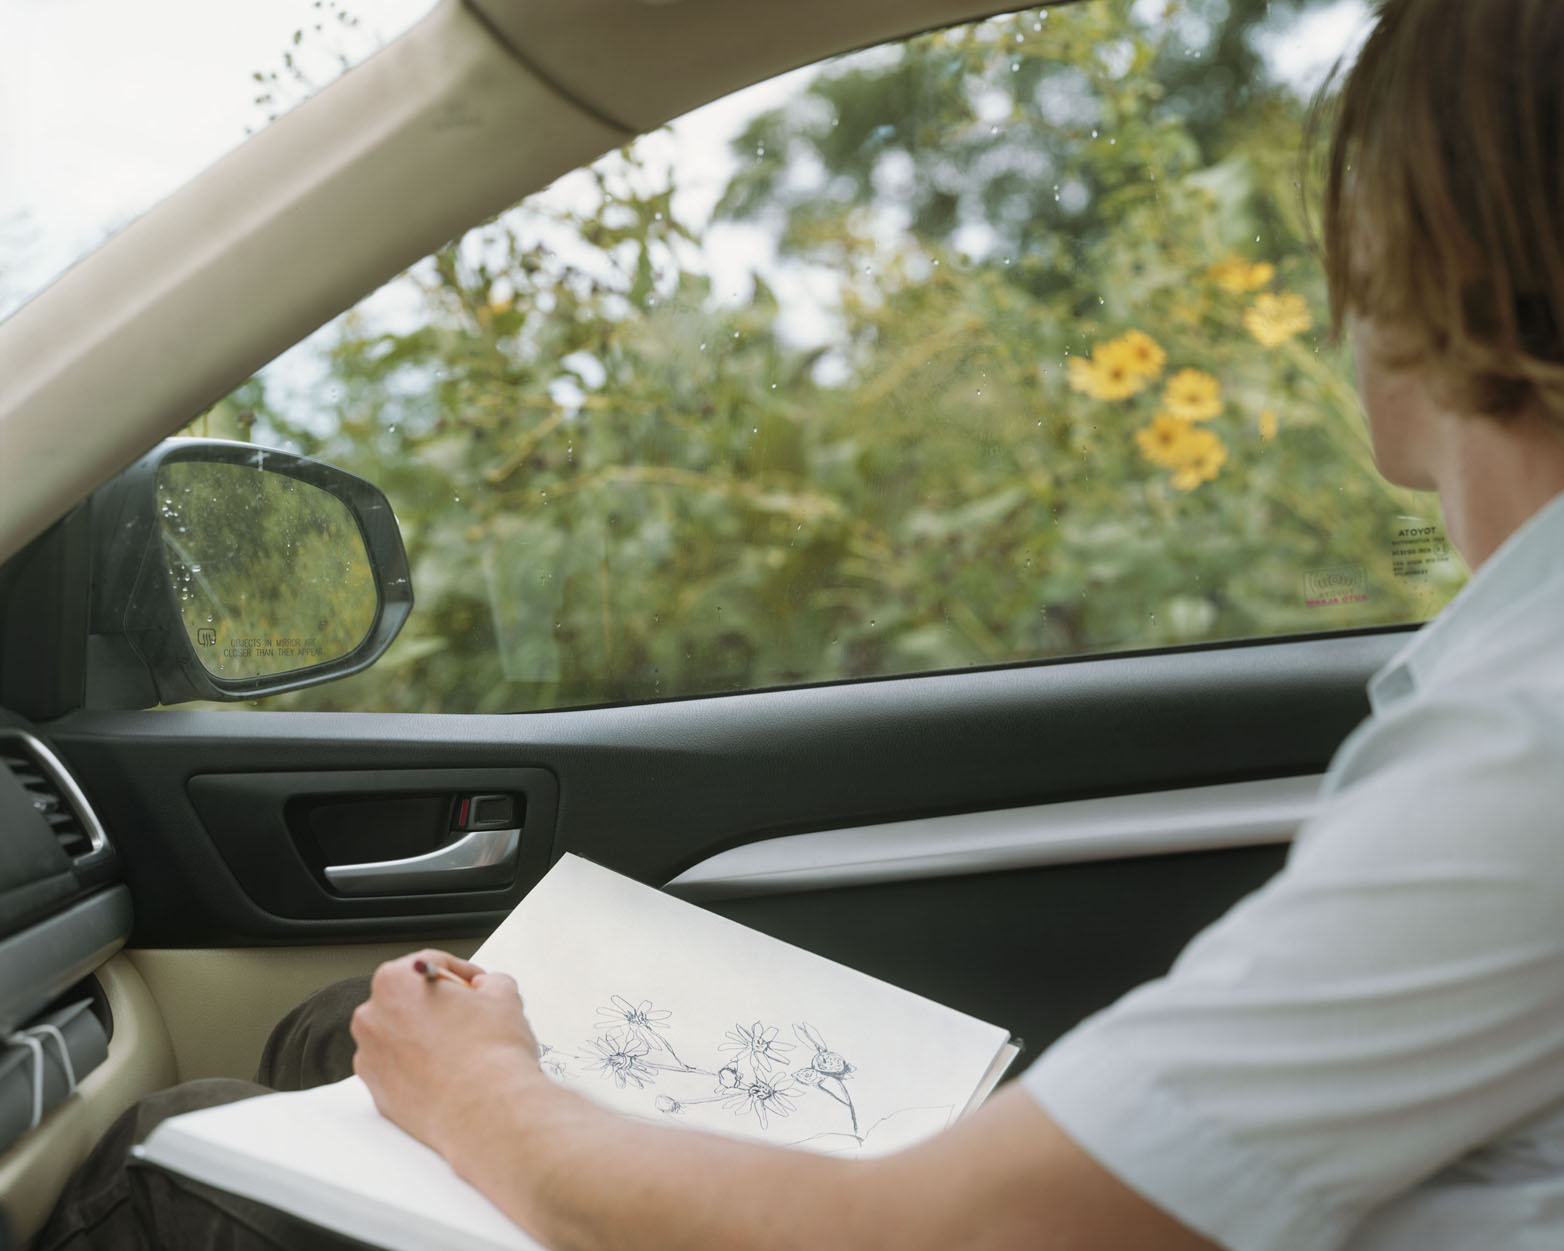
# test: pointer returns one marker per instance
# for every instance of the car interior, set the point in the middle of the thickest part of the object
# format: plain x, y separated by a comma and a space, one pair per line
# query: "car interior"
1025, 842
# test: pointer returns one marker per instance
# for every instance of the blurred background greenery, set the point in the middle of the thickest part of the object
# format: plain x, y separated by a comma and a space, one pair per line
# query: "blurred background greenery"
271, 573
1029, 363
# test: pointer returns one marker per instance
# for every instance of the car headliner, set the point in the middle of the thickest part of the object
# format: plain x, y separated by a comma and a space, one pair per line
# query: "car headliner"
478, 105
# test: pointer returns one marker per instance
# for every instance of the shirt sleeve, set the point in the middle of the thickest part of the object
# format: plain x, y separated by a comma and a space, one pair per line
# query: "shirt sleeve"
1391, 1000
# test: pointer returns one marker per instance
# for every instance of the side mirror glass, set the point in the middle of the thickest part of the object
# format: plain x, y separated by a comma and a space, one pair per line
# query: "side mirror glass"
270, 573
226, 571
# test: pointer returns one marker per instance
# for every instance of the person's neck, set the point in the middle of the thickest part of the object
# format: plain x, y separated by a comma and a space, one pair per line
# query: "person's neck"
1496, 474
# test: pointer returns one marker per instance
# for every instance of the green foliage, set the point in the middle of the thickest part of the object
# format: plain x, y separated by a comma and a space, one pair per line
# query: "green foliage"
271, 573
617, 483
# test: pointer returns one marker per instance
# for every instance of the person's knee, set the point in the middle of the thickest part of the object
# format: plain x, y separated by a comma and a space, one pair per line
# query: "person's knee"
96, 1207
312, 1045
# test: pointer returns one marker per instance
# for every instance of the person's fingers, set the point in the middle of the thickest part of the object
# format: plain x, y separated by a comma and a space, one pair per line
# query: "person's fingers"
464, 969
500, 984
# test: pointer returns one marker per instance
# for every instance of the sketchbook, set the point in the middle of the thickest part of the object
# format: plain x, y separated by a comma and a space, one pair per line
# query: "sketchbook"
649, 1005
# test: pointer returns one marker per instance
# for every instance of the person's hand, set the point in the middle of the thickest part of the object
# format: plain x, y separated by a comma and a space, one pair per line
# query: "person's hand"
434, 1054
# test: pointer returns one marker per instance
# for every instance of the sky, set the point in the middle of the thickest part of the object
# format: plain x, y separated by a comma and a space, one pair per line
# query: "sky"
106, 106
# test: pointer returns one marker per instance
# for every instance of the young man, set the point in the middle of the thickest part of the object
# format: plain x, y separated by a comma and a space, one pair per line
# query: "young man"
1368, 1053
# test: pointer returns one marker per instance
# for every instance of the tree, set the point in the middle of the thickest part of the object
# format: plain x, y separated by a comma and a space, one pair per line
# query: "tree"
1073, 397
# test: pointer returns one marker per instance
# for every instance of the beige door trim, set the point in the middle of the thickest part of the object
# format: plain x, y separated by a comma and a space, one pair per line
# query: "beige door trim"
219, 1004
140, 1061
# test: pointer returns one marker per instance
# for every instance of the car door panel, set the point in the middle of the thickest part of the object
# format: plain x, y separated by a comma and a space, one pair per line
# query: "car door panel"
140, 1061
220, 1003
657, 790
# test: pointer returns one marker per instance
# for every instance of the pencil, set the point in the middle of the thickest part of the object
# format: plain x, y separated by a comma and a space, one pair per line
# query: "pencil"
434, 973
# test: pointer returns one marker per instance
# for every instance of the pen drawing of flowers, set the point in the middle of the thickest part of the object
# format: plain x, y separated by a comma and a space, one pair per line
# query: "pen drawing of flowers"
622, 1056
759, 1044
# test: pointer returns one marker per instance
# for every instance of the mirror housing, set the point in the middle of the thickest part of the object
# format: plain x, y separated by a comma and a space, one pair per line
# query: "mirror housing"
147, 581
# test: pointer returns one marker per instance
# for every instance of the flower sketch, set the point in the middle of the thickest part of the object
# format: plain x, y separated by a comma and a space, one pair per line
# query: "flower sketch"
641, 1020
758, 1044
827, 1072
551, 1062
623, 1058
762, 1098
757, 1078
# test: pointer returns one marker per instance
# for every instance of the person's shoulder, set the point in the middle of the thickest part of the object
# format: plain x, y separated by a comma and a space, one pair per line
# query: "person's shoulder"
1468, 781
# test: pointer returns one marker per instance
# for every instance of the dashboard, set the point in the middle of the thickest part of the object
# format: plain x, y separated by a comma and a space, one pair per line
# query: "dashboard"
64, 914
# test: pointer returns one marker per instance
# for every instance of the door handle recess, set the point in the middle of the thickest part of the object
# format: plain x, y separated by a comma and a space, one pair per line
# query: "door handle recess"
481, 858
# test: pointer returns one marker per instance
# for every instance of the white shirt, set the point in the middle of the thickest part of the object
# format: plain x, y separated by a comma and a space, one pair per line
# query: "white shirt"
1368, 1052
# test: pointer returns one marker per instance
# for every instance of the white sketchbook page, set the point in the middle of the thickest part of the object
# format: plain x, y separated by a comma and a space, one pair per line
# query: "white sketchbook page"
1001, 1065
328, 1156
585, 935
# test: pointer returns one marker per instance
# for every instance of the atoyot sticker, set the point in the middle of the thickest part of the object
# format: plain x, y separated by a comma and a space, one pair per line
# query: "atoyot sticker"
1417, 547
1340, 584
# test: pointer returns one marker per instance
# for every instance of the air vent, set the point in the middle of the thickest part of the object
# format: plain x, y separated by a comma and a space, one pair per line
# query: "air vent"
54, 795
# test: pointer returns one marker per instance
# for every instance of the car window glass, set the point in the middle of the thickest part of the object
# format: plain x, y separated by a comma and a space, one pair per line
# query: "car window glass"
998, 344
106, 107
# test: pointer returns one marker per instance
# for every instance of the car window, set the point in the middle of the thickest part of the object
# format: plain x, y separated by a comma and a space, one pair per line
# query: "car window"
999, 344
115, 105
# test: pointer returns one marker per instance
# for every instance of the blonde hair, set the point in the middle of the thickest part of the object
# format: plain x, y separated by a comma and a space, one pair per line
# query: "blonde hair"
1444, 197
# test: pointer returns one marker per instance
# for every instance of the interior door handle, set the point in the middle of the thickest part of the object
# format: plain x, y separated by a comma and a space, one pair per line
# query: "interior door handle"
481, 858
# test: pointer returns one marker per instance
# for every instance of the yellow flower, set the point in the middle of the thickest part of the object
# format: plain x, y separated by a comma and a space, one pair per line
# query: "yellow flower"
1268, 424
1143, 352
1110, 374
1164, 440
1192, 395
1273, 319
1202, 456
1234, 274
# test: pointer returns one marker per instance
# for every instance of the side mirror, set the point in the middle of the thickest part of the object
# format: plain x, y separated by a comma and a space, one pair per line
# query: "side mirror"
226, 571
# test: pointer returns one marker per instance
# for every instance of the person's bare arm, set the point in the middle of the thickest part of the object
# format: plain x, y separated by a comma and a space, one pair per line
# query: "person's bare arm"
458, 1069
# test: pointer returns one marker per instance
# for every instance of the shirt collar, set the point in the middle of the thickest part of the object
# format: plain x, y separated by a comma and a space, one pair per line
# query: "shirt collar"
1531, 556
